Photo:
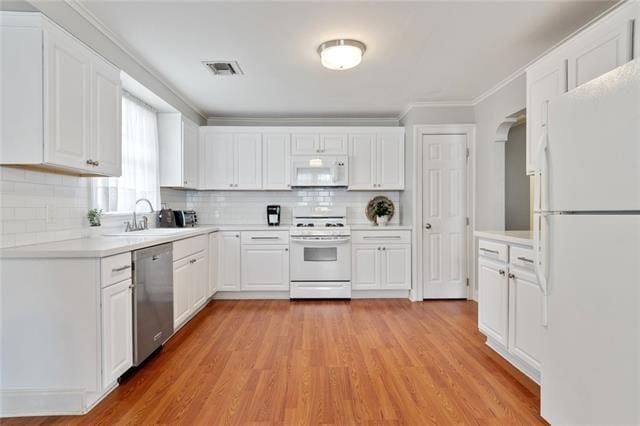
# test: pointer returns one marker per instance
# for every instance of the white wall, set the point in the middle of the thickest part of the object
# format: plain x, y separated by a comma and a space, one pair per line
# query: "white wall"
64, 15
425, 115
490, 155
517, 208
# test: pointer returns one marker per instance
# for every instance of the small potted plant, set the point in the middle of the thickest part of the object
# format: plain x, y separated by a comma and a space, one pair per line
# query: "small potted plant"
94, 217
382, 209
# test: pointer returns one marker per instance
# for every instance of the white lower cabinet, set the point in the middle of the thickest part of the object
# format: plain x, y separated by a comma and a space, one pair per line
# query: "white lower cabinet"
525, 316
190, 277
493, 300
265, 267
379, 265
510, 305
229, 261
117, 331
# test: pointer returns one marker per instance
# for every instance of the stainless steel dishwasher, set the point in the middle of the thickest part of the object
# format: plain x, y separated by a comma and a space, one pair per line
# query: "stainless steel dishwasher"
152, 299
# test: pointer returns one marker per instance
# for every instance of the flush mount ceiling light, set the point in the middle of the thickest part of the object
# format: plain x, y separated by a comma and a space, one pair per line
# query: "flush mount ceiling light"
341, 54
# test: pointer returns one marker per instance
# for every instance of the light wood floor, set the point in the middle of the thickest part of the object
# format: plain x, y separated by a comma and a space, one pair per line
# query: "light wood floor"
323, 362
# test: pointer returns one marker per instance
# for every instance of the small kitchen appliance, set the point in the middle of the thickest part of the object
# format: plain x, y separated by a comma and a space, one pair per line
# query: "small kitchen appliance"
185, 218
273, 215
320, 171
320, 253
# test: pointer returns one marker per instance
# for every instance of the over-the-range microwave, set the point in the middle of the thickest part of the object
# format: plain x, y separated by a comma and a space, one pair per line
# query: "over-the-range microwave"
319, 171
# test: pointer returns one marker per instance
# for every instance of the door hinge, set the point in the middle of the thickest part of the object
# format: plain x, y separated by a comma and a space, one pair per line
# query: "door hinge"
468, 153
468, 222
467, 282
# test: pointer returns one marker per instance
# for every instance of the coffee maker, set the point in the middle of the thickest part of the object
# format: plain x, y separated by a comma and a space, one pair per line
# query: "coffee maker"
273, 215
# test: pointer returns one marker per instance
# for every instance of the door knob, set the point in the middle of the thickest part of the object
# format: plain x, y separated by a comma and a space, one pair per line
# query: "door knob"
427, 226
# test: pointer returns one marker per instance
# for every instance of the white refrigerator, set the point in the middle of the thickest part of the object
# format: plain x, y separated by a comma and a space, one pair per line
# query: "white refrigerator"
587, 234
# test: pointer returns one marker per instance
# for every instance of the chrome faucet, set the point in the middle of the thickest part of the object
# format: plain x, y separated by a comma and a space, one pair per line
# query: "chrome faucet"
134, 225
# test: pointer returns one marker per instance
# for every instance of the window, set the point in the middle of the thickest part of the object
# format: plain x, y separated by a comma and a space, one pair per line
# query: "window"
140, 163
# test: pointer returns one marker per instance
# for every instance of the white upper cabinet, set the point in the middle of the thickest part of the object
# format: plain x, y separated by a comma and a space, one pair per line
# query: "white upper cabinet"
334, 144
69, 114
229, 160
178, 146
362, 161
305, 143
546, 80
391, 161
602, 47
275, 161
106, 92
376, 160
247, 161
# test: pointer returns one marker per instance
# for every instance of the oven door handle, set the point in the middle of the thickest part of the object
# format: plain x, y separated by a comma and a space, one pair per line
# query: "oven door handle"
320, 242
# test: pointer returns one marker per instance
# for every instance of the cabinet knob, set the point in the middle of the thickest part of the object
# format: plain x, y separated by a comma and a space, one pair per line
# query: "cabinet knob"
96, 163
237, 235
230, 185
512, 276
384, 248
286, 249
501, 272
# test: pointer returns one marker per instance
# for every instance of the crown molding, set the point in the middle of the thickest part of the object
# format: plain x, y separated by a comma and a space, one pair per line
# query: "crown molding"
82, 10
433, 104
316, 121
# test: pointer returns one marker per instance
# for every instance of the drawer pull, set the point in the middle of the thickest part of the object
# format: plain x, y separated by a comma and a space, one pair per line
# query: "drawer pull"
193, 261
489, 250
265, 238
387, 237
524, 259
123, 268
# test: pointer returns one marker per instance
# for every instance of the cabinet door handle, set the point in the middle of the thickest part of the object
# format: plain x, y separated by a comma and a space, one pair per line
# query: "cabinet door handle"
384, 248
265, 238
286, 249
512, 276
90, 162
96, 163
193, 261
379, 248
381, 237
501, 272
524, 259
122, 268
489, 251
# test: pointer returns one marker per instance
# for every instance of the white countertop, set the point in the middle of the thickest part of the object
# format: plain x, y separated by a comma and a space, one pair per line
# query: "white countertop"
516, 237
101, 246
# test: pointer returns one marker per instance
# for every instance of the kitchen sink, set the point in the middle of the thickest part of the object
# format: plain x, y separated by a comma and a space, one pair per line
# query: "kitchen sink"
152, 232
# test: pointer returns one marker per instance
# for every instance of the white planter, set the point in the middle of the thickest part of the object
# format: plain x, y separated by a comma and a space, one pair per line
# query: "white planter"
382, 220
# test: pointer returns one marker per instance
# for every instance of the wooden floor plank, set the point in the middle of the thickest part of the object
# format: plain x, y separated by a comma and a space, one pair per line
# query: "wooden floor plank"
322, 362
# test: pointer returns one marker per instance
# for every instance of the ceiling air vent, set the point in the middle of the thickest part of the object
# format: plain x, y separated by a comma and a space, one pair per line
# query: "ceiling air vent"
224, 67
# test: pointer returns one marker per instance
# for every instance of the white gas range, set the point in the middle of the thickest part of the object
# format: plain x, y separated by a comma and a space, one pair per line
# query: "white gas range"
320, 253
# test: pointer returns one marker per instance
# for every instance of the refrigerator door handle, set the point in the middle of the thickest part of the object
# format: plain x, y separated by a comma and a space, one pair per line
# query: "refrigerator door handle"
541, 260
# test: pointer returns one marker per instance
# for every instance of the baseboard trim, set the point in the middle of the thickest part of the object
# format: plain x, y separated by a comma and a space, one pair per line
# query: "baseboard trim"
41, 402
521, 365
380, 294
250, 295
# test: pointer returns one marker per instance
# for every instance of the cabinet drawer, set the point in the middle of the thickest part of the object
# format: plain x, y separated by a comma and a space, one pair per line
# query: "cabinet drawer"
265, 237
115, 269
492, 250
521, 257
377, 237
184, 248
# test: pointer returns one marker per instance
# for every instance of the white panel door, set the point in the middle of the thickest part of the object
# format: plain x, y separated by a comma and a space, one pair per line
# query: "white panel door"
525, 317
67, 109
199, 279
390, 161
182, 278
396, 267
265, 267
493, 300
333, 144
546, 80
362, 161
106, 118
189, 154
365, 266
604, 48
276, 166
305, 143
217, 154
444, 216
248, 161
117, 330
229, 261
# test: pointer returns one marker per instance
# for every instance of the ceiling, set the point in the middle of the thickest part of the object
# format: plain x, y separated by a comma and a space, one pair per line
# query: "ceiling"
445, 51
